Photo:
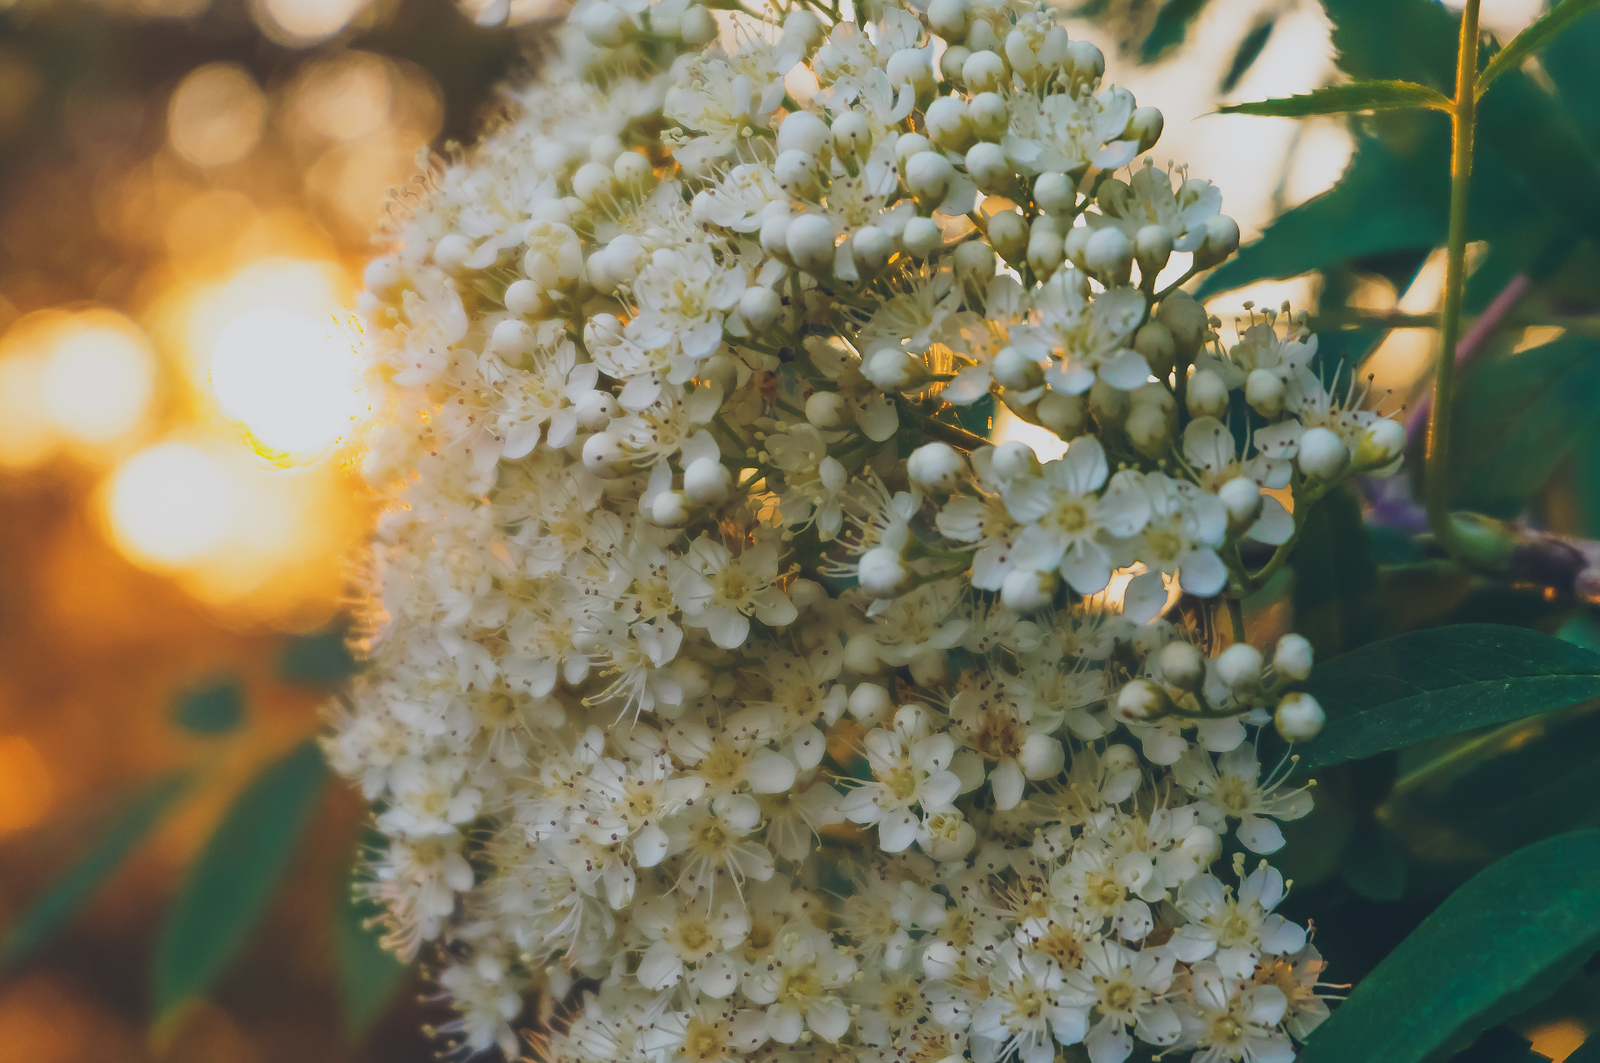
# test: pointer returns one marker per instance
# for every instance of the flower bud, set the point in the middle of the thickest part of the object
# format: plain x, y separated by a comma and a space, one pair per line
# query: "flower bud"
1186, 319
1239, 666
852, 135
1181, 665
1323, 454
522, 297
1299, 718
826, 409
1008, 235
803, 131
936, 466
594, 183
910, 66
1264, 391
774, 234
707, 482
1075, 244
870, 703
1222, 240
1108, 403
1085, 62
974, 263
908, 145
1041, 757
382, 275
1154, 342
697, 26
811, 240
1145, 125
948, 123
1013, 369
948, 18
671, 509
1065, 415
760, 308
803, 26
951, 62
633, 171
1382, 442
1207, 395
607, 25
1148, 430
871, 248
1027, 590
989, 116
988, 167
981, 36
1152, 247
1141, 699
928, 177
1055, 193
922, 237
555, 210
1109, 255
947, 837
895, 370
451, 252
985, 71
1242, 499
1044, 252
861, 655
596, 410
1292, 658
511, 338
796, 173
1013, 460
882, 573
603, 456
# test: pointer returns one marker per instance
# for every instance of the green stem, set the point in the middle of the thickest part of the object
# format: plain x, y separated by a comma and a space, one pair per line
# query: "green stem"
1463, 118
956, 436
1236, 618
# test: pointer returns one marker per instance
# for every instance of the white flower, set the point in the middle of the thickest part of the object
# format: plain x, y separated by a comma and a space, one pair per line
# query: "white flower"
1232, 788
721, 592
1234, 930
1232, 1020
684, 937
1065, 515
1127, 988
1084, 337
912, 771
800, 983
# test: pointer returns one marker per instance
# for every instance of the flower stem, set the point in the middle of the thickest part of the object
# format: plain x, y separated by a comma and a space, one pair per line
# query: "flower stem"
1463, 118
1236, 617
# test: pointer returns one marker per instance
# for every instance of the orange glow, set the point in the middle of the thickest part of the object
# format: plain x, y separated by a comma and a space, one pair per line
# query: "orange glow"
171, 504
216, 115
27, 436
98, 378
308, 20
26, 787
1558, 1039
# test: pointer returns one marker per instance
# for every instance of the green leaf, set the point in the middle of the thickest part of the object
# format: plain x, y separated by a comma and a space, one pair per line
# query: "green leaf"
369, 974
1422, 684
321, 659
1336, 578
1377, 207
1170, 27
1520, 416
69, 892
1492, 944
1358, 96
1501, 1045
1374, 863
235, 875
1535, 37
212, 709
1247, 53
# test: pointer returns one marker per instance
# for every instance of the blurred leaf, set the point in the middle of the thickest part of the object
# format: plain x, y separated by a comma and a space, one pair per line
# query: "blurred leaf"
62, 899
235, 875
1520, 416
1501, 1045
1170, 27
210, 710
1373, 863
1544, 30
977, 417
1521, 125
1418, 685
1482, 953
322, 659
1374, 208
1569, 63
1336, 578
1588, 1052
369, 974
1344, 99
1248, 52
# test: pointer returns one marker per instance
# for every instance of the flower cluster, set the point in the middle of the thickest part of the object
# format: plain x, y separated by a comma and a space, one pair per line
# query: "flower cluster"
727, 685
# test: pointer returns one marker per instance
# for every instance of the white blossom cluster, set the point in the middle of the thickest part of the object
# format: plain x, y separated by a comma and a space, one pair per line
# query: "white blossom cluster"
723, 688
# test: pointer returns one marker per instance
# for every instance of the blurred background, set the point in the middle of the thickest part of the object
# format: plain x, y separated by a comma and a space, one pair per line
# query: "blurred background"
188, 192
